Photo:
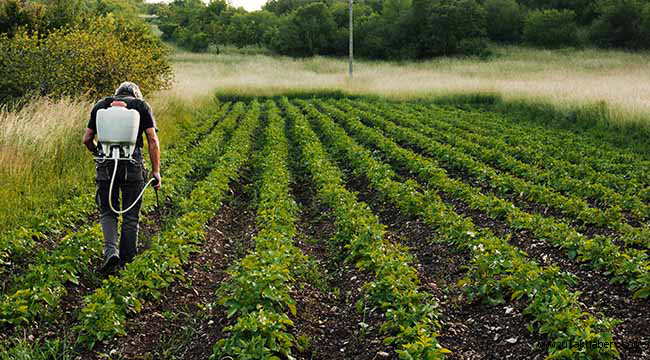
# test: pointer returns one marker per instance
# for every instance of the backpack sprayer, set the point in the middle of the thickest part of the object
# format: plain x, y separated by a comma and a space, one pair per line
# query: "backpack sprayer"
117, 132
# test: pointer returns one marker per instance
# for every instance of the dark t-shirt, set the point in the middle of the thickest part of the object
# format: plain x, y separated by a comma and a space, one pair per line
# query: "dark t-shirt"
147, 120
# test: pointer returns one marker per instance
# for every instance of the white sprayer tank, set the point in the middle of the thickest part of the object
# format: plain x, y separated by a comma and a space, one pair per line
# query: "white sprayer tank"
118, 125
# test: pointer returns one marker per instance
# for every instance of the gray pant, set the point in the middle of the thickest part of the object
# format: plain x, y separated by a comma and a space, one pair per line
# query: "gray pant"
129, 182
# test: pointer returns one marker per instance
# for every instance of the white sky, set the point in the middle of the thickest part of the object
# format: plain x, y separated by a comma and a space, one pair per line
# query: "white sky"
249, 5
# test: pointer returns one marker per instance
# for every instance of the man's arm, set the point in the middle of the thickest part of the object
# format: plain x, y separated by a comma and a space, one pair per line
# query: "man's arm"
89, 140
154, 154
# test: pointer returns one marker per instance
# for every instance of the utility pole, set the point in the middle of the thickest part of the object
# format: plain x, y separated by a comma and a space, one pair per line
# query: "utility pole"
351, 40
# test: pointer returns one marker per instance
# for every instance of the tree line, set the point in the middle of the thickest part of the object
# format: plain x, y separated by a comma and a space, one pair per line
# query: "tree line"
77, 47
406, 29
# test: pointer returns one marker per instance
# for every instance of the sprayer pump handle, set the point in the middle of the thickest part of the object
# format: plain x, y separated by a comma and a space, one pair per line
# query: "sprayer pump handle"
154, 181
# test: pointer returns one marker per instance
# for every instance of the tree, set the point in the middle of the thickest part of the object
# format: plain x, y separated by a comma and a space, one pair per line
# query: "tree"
505, 20
551, 28
374, 38
124, 8
448, 27
215, 10
584, 9
178, 15
251, 28
307, 32
284, 7
14, 14
61, 13
618, 24
395, 10
644, 27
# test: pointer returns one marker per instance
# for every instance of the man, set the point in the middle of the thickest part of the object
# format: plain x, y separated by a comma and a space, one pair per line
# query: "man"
129, 180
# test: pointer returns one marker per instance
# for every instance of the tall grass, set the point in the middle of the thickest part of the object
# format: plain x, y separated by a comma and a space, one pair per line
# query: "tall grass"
563, 78
41, 159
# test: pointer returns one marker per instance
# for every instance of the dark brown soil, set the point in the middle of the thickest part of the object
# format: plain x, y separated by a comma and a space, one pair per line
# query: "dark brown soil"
183, 322
149, 228
598, 295
594, 203
327, 314
470, 330
59, 326
72, 302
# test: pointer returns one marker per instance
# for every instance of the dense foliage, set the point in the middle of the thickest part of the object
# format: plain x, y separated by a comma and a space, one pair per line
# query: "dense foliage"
406, 29
505, 20
551, 28
72, 48
622, 23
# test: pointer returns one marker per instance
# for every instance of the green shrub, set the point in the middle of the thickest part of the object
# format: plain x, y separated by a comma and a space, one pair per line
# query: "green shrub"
191, 39
46, 15
551, 28
448, 27
619, 24
81, 62
644, 27
505, 20
371, 36
306, 32
13, 14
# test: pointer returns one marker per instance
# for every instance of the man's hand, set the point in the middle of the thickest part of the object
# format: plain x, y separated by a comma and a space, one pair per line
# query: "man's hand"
156, 183
89, 141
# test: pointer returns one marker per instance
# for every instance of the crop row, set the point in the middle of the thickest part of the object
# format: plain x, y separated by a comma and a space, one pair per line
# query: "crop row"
497, 268
195, 163
257, 293
20, 243
105, 311
556, 178
37, 292
581, 144
506, 184
527, 146
549, 150
410, 314
629, 266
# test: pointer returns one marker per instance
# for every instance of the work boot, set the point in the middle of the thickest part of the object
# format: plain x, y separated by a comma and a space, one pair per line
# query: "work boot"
110, 263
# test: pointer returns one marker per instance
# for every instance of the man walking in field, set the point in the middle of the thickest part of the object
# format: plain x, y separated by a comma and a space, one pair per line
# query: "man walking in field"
129, 179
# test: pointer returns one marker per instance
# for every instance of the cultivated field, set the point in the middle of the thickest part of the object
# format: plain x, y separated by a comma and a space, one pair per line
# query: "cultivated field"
323, 228
43, 163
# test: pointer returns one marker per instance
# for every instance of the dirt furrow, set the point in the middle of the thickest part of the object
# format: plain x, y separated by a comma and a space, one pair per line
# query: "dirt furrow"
469, 330
184, 323
327, 320
598, 295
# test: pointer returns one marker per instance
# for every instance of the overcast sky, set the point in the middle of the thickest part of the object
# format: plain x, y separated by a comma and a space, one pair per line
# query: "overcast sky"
249, 5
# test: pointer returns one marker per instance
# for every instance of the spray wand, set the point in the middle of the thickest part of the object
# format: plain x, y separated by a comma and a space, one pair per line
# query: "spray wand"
160, 221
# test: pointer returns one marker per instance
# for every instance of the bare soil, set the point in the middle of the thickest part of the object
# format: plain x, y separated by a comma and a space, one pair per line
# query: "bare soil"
471, 330
184, 322
598, 294
327, 313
